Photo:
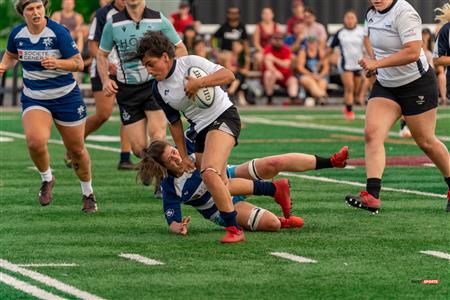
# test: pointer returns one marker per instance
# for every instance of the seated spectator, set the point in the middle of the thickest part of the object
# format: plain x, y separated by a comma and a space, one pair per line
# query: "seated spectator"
298, 10
201, 49
183, 18
313, 28
237, 62
72, 20
296, 40
263, 33
232, 30
189, 37
277, 68
313, 68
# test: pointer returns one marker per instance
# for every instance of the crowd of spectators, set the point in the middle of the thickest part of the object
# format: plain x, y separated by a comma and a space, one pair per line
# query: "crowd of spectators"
291, 59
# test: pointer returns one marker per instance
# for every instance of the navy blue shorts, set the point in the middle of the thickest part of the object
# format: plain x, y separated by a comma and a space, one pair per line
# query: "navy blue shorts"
68, 110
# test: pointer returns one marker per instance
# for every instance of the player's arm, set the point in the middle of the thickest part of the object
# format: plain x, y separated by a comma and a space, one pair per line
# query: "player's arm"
220, 77
180, 228
441, 48
176, 130
180, 50
72, 64
172, 210
9, 60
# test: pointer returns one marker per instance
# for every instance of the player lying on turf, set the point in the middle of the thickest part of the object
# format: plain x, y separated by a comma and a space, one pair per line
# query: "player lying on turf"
162, 159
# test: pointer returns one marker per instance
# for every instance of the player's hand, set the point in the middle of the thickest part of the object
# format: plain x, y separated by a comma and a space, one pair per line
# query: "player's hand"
3, 69
368, 65
50, 63
185, 225
188, 164
110, 87
191, 86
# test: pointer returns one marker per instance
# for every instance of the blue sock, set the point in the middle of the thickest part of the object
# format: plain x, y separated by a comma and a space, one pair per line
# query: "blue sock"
266, 188
125, 156
229, 218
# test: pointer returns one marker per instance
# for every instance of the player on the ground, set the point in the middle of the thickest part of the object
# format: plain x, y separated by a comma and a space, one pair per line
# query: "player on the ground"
48, 56
406, 85
180, 187
141, 115
215, 129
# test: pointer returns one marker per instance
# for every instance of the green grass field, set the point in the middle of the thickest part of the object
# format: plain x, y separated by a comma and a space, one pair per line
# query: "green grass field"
359, 255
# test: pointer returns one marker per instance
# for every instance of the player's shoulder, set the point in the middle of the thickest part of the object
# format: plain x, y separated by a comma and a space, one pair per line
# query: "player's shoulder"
102, 12
152, 14
57, 28
17, 29
445, 29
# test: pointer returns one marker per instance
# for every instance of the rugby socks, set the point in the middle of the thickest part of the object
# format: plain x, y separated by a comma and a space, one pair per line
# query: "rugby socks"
86, 187
269, 99
447, 181
323, 163
229, 218
373, 187
265, 188
349, 107
47, 175
125, 156
402, 123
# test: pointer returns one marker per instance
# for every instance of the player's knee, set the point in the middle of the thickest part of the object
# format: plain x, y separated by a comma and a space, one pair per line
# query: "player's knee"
36, 144
371, 136
76, 152
271, 165
210, 176
425, 143
270, 222
102, 117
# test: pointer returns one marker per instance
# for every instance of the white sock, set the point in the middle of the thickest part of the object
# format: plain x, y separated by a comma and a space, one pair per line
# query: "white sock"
86, 187
47, 175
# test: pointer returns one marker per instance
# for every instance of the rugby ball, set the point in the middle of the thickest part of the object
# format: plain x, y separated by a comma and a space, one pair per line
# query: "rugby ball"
205, 96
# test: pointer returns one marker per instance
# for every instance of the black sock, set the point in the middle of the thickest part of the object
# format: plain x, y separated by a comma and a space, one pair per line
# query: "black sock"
373, 187
349, 107
447, 181
265, 188
125, 156
402, 123
229, 218
323, 163
269, 99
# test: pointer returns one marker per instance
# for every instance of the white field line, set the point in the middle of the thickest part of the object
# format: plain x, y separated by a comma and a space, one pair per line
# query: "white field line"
141, 259
48, 281
258, 120
317, 178
330, 180
299, 259
62, 265
28, 288
437, 254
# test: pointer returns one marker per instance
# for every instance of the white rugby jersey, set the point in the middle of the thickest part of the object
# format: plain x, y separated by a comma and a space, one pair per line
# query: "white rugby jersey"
388, 31
171, 96
351, 44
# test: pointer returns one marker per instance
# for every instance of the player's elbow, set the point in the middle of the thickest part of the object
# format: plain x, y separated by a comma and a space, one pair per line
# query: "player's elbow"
228, 76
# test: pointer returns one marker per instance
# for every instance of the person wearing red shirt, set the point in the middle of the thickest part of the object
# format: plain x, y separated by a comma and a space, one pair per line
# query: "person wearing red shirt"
298, 10
277, 68
182, 18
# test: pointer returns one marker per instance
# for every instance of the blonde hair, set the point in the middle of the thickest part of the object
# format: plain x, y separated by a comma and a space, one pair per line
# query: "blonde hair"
444, 16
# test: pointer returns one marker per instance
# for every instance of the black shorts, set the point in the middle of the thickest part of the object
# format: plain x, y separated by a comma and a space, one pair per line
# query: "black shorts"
229, 122
134, 100
96, 83
414, 98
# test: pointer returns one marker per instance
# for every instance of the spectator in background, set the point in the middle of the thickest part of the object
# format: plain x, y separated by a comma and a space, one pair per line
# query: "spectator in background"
298, 15
296, 40
103, 2
232, 30
237, 62
313, 68
277, 68
313, 28
200, 49
263, 33
189, 37
72, 20
350, 40
183, 18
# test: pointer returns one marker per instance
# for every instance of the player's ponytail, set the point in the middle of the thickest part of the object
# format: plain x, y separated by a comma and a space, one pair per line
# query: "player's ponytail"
444, 16
151, 167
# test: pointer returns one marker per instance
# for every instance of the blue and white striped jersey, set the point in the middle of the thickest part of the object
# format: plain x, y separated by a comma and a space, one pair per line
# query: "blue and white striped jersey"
38, 82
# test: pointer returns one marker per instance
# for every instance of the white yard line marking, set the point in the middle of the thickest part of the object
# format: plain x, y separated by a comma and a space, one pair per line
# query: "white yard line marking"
28, 288
437, 254
325, 179
142, 259
258, 120
429, 165
48, 265
299, 259
317, 178
48, 281
5, 139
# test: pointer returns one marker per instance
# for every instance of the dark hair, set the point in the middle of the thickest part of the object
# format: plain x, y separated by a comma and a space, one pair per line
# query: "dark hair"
151, 167
21, 4
154, 44
311, 11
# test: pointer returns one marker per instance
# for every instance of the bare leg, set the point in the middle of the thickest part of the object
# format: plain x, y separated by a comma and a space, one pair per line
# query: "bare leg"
268, 221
